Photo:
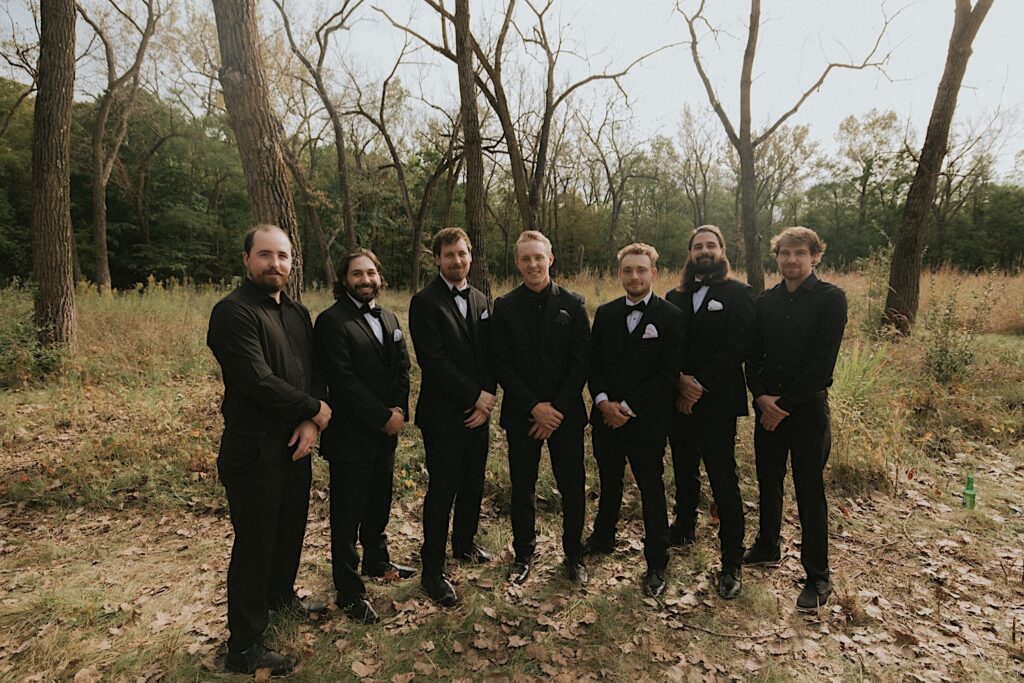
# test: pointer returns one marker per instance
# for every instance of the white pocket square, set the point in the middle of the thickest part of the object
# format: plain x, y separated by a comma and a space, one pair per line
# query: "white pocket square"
398, 335
485, 315
715, 305
650, 332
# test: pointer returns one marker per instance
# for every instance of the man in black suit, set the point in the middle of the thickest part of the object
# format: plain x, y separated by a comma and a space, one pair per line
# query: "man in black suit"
362, 353
634, 369
449, 322
798, 329
273, 411
540, 345
717, 313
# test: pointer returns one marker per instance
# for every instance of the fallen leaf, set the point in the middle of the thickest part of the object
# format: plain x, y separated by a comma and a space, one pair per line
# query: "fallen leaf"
89, 674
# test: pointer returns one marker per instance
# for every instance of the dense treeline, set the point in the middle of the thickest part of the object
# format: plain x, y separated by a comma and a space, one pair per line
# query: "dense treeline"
177, 202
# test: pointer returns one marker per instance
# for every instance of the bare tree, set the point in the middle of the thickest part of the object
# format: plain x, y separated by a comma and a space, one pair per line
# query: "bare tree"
743, 138
699, 163
908, 250
52, 238
21, 55
340, 19
528, 175
113, 114
415, 212
257, 130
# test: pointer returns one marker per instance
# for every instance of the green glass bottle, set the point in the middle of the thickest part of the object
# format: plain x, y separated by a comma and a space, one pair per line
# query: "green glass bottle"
969, 493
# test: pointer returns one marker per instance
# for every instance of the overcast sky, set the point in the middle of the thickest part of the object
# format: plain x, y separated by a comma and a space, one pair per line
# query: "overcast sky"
797, 39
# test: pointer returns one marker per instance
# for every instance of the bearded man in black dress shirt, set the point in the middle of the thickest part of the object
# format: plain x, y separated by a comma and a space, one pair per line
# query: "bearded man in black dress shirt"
273, 411
798, 328
541, 346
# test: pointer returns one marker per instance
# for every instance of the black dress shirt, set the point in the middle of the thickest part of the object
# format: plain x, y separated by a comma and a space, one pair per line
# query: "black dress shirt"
795, 341
265, 351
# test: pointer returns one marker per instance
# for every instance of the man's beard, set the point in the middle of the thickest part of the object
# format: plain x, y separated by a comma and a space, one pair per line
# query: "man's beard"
364, 295
267, 285
706, 266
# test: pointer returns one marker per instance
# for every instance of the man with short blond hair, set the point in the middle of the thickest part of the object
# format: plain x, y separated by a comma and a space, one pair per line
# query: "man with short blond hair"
798, 329
635, 345
540, 346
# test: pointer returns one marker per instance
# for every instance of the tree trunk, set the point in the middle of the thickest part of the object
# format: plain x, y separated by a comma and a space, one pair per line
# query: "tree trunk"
52, 237
257, 130
473, 149
905, 269
313, 216
745, 150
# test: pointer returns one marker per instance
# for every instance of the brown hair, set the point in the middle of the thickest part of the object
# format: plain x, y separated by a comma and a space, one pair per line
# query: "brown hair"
532, 236
446, 236
638, 248
723, 273
799, 235
346, 261
250, 234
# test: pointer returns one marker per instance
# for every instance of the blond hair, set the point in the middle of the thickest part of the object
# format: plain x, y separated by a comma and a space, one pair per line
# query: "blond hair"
799, 235
532, 236
638, 248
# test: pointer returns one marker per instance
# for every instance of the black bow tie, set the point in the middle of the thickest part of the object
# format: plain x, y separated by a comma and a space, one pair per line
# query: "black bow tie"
375, 311
692, 286
464, 293
638, 306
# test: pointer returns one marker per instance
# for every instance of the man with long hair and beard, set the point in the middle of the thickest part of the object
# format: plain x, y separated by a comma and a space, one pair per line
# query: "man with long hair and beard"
362, 352
717, 314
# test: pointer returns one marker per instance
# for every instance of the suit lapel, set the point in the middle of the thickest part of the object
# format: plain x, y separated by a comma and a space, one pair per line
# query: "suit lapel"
445, 292
638, 331
547, 324
365, 327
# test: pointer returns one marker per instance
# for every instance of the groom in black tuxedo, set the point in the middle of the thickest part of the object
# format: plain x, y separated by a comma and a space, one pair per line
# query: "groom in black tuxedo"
362, 353
540, 344
449, 322
635, 357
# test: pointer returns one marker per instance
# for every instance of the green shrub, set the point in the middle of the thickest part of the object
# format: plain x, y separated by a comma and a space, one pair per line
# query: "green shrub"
22, 358
949, 334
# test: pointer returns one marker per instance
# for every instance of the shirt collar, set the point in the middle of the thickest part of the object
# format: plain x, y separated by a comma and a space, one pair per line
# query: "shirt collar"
811, 280
646, 299
358, 304
451, 285
261, 297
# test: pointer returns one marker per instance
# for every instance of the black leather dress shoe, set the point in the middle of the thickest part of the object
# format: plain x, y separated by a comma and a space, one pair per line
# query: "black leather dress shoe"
301, 607
390, 571
729, 583
440, 590
593, 546
758, 556
519, 571
679, 537
576, 571
259, 656
473, 554
654, 583
815, 594
359, 610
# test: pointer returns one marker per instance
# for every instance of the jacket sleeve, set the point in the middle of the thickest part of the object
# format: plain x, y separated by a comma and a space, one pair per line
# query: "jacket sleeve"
660, 386
502, 360
436, 367
234, 338
579, 359
754, 365
598, 382
404, 364
353, 398
733, 349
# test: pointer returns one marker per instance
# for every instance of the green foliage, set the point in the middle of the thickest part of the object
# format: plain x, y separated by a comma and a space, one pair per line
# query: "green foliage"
22, 358
949, 334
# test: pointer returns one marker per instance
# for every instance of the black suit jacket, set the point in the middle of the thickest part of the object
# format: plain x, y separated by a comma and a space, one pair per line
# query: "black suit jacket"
453, 354
545, 360
715, 344
642, 372
364, 380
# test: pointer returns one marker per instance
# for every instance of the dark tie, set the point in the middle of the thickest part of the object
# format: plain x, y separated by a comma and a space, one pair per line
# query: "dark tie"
464, 293
375, 311
638, 306
692, 286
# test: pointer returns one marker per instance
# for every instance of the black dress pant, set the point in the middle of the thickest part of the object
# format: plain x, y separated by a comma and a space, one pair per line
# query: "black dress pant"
710, 438
268, 498
455, 467
566, 448
612, 448
806, 436
360, 508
